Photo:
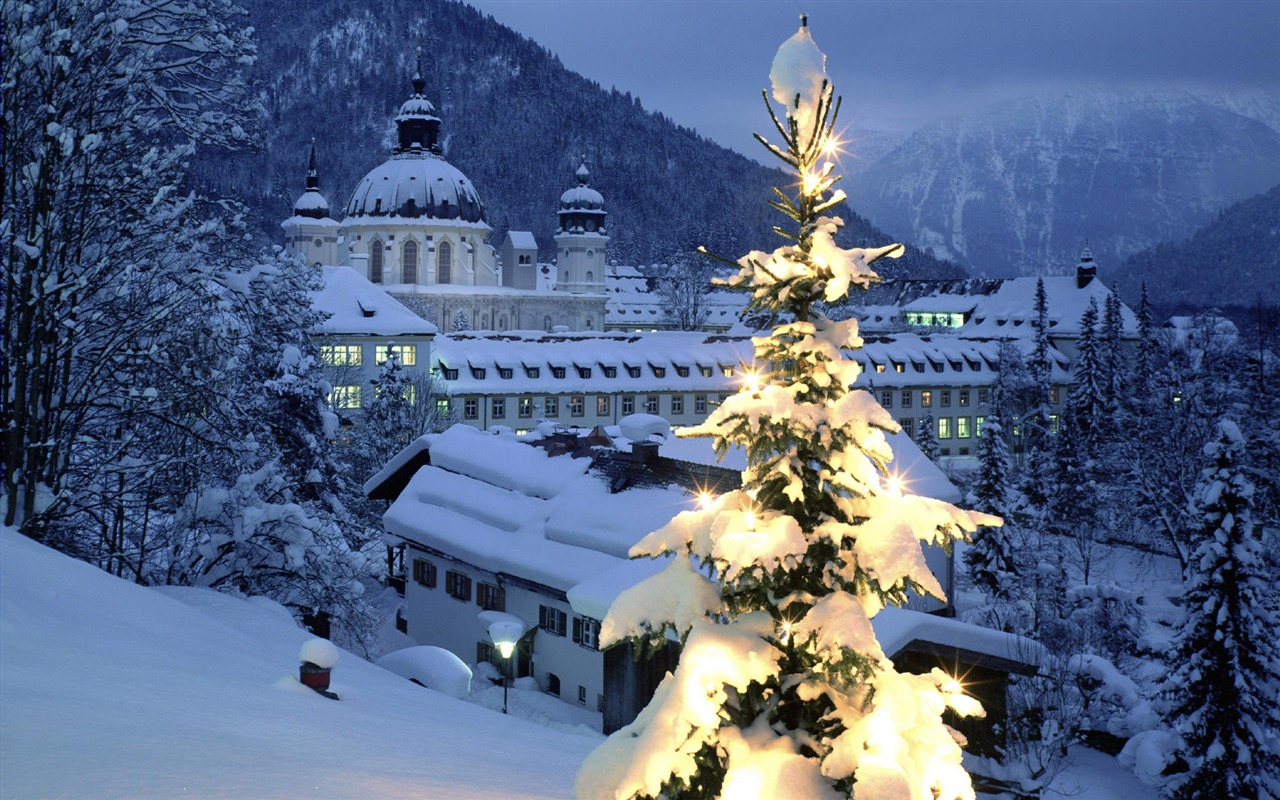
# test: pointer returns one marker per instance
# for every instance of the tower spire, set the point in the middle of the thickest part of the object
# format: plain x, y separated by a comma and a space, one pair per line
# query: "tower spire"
313, 174
419, 83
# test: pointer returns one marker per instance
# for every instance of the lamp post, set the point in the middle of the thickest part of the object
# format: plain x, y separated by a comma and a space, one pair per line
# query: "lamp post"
505, 635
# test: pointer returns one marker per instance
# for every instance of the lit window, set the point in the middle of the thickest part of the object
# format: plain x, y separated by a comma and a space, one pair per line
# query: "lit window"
880, 368
628, 405
1053, 395
602, 405
964, 397
524, 407
340, 355
944, 427
1054, 421
576, 407
344, 397
443, 407
962, 427
658, 372
977, 426
926, 399
407, 353
704, 370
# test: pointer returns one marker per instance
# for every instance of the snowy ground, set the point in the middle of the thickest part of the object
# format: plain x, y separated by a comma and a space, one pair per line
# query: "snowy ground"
111, 690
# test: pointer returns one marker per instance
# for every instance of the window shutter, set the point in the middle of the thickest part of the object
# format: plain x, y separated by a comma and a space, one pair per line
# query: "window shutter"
542, 616
577, 630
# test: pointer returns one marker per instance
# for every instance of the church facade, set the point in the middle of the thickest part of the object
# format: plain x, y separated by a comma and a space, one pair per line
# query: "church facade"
415, 225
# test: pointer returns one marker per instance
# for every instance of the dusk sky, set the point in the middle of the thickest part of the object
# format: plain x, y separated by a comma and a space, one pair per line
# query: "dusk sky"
896, 63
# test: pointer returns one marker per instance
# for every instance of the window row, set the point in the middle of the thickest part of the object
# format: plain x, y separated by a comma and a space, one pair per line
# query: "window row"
352, 355
960, 427
574, 406
942, 398
409, 252
586, 631
351, 396
458, 585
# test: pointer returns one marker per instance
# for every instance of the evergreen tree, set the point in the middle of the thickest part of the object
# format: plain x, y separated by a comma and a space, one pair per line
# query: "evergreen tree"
1085, 402
990, 557
927, 437
1223, 693
782, 689
1036, 423
460, 322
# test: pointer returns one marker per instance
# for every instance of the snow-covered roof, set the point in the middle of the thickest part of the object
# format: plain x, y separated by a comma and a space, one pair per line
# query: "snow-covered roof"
311, 200
522, 240
508, 507
356, 307
898, 628
1010, 310
998, 309
634, 303
554, 363
413, 185
298, 219
940, 359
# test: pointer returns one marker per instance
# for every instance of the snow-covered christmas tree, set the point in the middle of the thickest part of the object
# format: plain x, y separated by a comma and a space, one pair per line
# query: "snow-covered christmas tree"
782, 689
1225, 692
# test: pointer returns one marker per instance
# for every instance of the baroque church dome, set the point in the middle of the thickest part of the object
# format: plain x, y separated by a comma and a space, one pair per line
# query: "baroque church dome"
416, 182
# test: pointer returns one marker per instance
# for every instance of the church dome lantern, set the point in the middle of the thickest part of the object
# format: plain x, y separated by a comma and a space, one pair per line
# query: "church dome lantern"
416, 182
581, 207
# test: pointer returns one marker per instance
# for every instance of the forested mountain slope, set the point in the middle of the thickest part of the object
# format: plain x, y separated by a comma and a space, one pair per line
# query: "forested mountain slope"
514, 120
1234, 260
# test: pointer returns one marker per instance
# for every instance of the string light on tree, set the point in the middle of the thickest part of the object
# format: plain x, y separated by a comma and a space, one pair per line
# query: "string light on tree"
782, 689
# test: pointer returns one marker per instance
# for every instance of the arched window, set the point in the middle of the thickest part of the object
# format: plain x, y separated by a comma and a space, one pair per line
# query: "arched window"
444, 263
553, 684
590, 276
375, 261
409, 262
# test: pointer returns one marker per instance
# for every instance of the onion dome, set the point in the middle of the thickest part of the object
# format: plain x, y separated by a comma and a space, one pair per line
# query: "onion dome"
582, 208
312, 203
416, 181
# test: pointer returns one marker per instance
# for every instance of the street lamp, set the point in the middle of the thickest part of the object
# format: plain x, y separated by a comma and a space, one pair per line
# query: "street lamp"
505, 635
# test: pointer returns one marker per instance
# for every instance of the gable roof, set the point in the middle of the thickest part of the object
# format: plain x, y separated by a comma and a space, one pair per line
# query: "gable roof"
357, 307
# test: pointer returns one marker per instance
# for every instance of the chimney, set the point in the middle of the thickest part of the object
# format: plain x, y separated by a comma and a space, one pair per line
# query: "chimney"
1086, 269
643, 452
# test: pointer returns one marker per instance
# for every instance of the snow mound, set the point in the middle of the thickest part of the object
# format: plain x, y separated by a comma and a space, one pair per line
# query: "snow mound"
433, 667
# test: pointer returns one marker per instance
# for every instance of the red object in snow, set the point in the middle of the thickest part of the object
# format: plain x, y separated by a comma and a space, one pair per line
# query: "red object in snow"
313, 677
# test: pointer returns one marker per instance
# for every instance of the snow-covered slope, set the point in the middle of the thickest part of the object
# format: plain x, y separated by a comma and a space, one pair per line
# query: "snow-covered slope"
108, 689
1017, 188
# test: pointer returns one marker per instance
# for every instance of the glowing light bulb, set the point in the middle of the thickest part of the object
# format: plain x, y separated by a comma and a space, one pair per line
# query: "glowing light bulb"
786, 631
751, 381
894, 484
705, 500
749, 519
810, 183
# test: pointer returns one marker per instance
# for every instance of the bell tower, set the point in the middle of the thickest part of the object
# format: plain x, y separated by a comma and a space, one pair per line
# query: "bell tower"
311, 233
581, 240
